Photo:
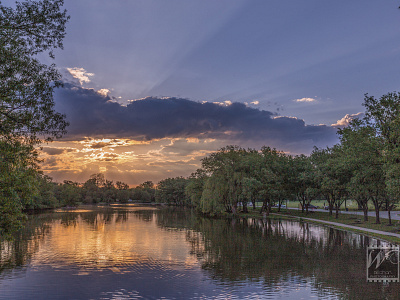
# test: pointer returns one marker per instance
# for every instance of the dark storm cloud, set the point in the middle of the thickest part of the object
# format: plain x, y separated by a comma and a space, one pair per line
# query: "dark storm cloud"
92, 114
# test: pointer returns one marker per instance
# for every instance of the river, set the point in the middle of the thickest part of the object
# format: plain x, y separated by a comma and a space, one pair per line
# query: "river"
134, 252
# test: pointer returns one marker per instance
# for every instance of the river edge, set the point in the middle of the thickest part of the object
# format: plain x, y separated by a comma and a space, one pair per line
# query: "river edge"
340, 226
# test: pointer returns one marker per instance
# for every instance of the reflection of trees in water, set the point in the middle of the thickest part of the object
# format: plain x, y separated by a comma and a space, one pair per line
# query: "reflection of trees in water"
17, 252
274, 251
144, 215
121, 216
69, 219
176, 218
268, 251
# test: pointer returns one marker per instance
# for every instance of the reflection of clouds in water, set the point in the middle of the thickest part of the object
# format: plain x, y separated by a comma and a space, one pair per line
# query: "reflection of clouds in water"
102, 242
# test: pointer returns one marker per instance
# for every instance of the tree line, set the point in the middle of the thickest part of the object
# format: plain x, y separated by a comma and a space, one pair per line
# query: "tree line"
364, 166
97, 189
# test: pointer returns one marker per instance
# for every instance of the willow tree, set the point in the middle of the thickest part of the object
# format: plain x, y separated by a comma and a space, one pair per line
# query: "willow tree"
27, 115
195, 186
227, 173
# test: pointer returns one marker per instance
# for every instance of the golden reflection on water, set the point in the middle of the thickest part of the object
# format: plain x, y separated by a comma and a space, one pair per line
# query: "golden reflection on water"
110, 244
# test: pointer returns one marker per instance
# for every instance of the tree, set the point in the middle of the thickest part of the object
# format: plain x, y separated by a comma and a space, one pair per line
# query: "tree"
45, 197
92, 188
26, 85
110, 193
17, 183
195, 186
147, 185
172, 191
147, 191
225, 168
122, 191
304, 183
252, 165
383, 115
333, 174
27, 114
69, 194
275, 177
363, 148
214, 199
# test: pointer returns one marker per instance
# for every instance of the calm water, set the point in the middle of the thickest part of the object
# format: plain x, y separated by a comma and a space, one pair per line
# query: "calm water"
147, 253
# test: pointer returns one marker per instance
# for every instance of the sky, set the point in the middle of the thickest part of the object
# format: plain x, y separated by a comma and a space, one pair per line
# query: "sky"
153, 86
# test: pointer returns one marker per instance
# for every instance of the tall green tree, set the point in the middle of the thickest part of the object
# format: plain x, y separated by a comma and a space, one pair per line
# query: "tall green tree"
333, 174
27, 114
304, 184
276, 176
195, 186
227, 174
363, 148
384, 115
92, 188
172, 191
18, 170
26, 85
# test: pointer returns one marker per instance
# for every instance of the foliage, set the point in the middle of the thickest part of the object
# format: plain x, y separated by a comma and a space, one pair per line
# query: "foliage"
26, 85
227, 175
172, 191
333, 174
195, 186
27, 114
17, 182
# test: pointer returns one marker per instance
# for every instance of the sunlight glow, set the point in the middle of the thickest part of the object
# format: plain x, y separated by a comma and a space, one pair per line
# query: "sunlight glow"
81, 74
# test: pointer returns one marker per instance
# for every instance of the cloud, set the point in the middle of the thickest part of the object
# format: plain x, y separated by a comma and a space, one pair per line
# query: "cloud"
225, 103
81, 74
305, 100
99, 145
57, 151
345, 121
94, 115
255, 102
103, 92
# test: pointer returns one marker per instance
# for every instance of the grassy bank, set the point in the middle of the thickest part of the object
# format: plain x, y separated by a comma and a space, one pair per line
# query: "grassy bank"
350, 205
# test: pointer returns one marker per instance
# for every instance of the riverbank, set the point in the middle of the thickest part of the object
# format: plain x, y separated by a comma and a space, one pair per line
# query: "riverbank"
346, 222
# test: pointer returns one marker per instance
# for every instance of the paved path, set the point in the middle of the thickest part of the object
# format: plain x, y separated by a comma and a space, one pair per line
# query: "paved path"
348, 226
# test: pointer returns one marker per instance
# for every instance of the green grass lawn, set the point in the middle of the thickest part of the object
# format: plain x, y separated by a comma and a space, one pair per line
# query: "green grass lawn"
350, 204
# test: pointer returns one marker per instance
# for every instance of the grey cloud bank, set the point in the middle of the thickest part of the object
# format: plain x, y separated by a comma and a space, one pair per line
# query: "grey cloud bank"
94, 115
